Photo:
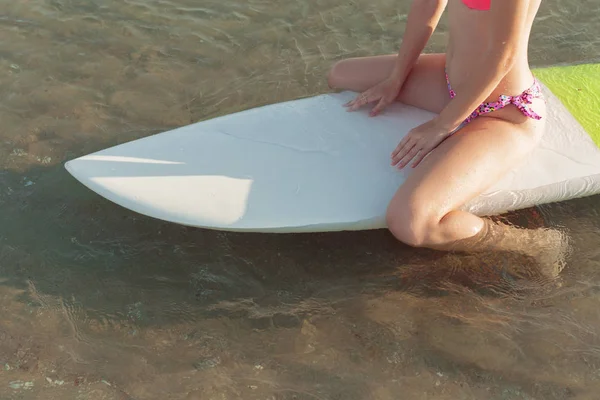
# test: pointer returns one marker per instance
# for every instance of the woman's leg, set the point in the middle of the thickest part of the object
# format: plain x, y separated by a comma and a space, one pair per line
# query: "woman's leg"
424, 212
425, 87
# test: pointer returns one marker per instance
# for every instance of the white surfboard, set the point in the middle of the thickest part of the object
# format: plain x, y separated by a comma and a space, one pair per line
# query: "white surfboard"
309, 165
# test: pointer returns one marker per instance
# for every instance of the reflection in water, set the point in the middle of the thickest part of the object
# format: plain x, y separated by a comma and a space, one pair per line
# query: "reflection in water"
101, 303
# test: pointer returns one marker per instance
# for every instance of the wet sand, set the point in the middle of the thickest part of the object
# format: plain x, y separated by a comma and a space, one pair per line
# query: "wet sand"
101, 303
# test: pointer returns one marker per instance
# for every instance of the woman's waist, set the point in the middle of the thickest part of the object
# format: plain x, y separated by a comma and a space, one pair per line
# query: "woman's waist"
462, 67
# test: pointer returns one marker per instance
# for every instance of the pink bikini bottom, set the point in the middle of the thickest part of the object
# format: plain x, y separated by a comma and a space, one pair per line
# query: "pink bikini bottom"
522, 102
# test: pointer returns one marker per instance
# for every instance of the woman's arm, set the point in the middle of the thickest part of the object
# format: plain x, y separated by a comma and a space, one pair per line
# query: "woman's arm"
423, 18
507, 26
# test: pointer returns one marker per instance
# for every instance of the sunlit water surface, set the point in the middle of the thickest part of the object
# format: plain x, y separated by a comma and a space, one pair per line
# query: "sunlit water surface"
100, 303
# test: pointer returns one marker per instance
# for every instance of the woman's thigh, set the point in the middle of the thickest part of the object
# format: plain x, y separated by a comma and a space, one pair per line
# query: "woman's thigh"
425, 87
462, 167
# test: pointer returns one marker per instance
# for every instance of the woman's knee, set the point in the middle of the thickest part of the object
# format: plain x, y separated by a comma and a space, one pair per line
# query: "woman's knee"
360, 73
337, 74
411, 223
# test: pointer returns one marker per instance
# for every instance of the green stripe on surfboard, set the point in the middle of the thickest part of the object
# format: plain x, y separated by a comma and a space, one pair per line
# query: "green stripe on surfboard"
578, 88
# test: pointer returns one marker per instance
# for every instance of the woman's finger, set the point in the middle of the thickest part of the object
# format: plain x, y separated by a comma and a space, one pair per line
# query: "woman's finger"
362, 100
398, 148
426, 150
420, 157
379, 107
348, 104
354, 101
402, 151
409, 156
351, 102
402, 143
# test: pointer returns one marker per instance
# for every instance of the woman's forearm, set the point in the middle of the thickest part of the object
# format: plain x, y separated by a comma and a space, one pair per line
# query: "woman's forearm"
423, 18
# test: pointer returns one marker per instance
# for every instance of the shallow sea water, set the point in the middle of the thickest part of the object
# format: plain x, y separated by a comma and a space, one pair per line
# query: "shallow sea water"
100, 303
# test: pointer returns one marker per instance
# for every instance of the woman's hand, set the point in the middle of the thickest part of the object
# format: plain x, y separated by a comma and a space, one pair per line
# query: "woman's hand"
419, 142
384, 93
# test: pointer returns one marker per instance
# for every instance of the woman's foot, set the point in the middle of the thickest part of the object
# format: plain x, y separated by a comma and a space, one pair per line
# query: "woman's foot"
549, 247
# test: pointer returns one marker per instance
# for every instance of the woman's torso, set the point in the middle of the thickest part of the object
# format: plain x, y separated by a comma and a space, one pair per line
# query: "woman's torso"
469, 39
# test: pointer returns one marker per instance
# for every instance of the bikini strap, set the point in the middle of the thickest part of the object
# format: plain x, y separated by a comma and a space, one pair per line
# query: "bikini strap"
523, 101
450, 90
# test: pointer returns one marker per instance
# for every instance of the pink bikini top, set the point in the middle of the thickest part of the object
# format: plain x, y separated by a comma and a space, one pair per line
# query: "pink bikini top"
478, 4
